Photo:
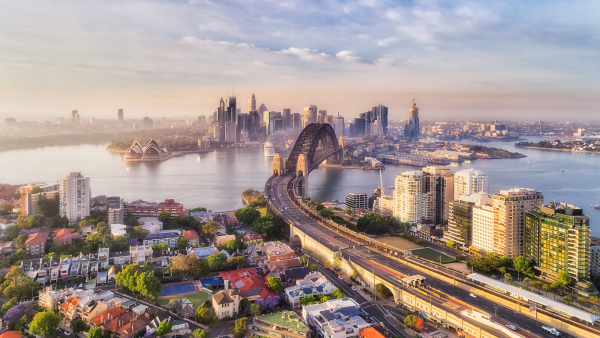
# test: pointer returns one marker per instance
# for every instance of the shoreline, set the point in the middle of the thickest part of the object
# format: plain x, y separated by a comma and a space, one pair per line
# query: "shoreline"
556, 149
170, 156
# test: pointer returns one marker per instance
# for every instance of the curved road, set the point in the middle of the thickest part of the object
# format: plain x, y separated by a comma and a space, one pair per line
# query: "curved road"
388, 269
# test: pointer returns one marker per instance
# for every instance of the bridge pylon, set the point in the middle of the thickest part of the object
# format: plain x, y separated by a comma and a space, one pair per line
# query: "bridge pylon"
302, 171
277, 168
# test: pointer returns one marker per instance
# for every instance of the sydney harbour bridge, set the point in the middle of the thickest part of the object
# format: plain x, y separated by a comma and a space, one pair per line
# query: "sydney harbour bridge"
416, 284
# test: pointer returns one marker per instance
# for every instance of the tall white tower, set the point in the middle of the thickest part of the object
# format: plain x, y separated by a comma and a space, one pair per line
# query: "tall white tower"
75, 193
470, 181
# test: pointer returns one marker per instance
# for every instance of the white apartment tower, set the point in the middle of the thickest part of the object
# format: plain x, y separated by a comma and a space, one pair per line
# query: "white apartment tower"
411, 204
75, 193
510, 207
483, 224
470, 181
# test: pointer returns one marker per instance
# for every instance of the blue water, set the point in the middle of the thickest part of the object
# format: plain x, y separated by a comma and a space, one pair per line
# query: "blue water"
215, 180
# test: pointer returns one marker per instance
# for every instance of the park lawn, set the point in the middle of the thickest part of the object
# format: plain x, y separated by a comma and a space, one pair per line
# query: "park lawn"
432, 255
263, 211
400, 243
197, 298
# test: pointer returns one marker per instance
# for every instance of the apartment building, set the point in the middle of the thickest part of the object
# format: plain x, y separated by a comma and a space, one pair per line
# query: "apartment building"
558, 239
116, 216
483, 226
226, 303
152, 209
311, 285
75, 194
356, 201
336, 318
276, 251
510, 208
36, 244
169, 238
470, 181
140, 254
411, 203
29, 201
438, 183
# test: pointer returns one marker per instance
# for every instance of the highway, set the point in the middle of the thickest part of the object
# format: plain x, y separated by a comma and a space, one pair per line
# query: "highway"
388, 269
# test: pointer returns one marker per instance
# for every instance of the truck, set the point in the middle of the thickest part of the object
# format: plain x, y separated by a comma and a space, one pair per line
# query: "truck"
551, 330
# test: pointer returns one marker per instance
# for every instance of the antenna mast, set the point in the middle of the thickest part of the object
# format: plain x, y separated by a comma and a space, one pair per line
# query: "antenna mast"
381, 183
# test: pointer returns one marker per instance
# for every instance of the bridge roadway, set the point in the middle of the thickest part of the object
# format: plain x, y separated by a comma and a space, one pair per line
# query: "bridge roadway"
364, 257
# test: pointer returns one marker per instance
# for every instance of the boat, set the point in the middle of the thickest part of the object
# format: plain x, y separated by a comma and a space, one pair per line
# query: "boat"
269, 149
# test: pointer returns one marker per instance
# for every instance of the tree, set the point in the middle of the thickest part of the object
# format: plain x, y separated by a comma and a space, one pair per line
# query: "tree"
148, 285
247, 215
372, 223
567, 299
234, 263
45, 324
139, 232
57, 221
209, 229
383, 291
78, 325
20, 241
508, 277
581, 301
268, 304
163, 246
459, 258
419, 324
182, 243
185, 264
241, 325
200, 333
204, 315
48, 207
564, 279
314, 267
267, 226
337, 293
450, 244
255, 309
155, 247
33, 222
95, 333
410, 321
18, 285
14, 313
163, 328
215, 261
164, 217
275, 285
523, 265
11, 232
546, 288
594, 299
304, 260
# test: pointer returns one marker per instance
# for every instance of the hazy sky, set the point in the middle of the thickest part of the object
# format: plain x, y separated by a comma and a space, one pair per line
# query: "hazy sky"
462, 59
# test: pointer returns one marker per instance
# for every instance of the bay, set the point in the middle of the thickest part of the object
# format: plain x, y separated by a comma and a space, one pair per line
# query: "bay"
215, 180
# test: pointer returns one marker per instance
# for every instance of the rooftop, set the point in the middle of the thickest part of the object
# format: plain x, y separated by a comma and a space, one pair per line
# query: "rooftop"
37, 238
284, 319
547, 302
189, 235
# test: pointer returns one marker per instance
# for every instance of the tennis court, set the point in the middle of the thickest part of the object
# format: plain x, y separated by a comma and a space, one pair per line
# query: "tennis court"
214, 281
432, 255
177, 289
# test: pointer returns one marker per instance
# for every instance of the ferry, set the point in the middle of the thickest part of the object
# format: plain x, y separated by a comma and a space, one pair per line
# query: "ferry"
269, 149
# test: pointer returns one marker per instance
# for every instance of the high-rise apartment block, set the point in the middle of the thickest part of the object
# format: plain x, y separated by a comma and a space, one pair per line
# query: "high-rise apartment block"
357, 200
380, 113
461, 223
482, 239
438, 183
120, 115
116, 216
74, 192
410, 202
510, 208
470, 181
558, 239
338, 125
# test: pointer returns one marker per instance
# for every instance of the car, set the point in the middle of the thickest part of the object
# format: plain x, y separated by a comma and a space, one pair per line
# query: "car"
512, 327
332, 236
353, 288
340, 277
473, 295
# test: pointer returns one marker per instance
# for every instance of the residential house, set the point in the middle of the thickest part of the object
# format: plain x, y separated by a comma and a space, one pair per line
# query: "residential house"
11, 334
336, 318
192, 237
140, 309
131, 328
169, 238
88, 230
7, 248
252, 238
277, 251
291, 276
102, 278
203, 253
282, 265
103, 255
154, 323
313, 284
180, 327
36, 244
221, 240
119, 258
226, 303
249, 284
118, 229
112, 274
60, 235
140, 254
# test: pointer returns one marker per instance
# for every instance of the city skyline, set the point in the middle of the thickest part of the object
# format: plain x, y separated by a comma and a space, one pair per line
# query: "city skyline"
462, 60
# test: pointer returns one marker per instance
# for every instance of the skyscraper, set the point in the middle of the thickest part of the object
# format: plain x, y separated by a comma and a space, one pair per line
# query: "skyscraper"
120, 115
510, 207
359, 126
231, 109
251, 103
558, 239
221, 119
438, 181
338, 125
410, 202
74, 192
261, 110
296, 124
310, 115
321, 116
470, 181
380, 113
411, 129
287, 119
460, 222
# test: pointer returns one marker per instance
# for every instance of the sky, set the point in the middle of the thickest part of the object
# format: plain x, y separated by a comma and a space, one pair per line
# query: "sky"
523, 60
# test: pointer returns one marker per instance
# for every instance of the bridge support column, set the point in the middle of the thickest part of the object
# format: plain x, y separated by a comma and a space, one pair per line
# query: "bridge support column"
277, 167
302, 171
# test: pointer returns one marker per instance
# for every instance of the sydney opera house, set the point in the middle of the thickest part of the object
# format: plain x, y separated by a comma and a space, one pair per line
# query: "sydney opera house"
152, 152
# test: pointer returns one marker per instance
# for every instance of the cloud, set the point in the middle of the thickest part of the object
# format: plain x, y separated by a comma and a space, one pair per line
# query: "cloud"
307, 54
347, 56
387, 42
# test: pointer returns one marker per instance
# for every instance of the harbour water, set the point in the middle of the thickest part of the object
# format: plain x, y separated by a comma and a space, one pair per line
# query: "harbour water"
215, 180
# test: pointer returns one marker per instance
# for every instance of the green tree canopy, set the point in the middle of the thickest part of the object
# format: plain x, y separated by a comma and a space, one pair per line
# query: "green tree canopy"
204, 315
78, 325
163, 328
247, 215
314, 267
372, 223
255, 309
209, 229
200, 333
275, 285
45, 324
241, 325
95, 333
267, 226
524, 265
182, 243
337, 293
164, 216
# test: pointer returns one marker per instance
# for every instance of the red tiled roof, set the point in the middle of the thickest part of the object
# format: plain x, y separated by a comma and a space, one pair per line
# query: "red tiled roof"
37, 238
370, 332
252, 237
189, 235
11, 334
227, 275
108, 315
61, 233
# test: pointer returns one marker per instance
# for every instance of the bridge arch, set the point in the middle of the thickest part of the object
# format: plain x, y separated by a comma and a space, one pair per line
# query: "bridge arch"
317, 142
